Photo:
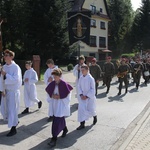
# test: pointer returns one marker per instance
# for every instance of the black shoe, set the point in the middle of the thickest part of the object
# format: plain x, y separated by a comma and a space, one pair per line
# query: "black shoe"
107, 92
26, 111
126, 91
39, 104
50, 119
94, 120
119, 93
65, 131
12, 132
82, 125
52, 143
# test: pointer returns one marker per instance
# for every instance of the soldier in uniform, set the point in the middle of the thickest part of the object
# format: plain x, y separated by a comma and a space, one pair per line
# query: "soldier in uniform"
138, 67
109, 70
123, 75
95, 71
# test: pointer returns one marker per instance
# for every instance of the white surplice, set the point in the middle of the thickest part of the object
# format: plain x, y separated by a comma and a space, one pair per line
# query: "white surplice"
60, 107
47, 75
30, 93
86, 108
3, 105
77, 73
12, 83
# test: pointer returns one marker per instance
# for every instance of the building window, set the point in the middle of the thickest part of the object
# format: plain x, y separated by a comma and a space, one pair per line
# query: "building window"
101, 10
93, 9
102, 25
93, 23
102, 42
93, 41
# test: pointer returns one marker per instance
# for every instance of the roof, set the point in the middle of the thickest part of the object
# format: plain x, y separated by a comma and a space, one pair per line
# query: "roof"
78, 4
106, 8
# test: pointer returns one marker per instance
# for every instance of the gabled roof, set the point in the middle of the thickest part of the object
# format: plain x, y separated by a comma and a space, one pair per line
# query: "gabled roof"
106, 8
78, 4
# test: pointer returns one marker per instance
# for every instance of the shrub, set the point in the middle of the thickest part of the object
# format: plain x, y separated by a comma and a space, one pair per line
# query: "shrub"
70, 67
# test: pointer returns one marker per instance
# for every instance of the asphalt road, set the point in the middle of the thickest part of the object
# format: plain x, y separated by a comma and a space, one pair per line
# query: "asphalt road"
116, 119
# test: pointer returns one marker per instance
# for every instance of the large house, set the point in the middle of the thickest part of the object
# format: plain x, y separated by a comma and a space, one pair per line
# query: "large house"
99, 27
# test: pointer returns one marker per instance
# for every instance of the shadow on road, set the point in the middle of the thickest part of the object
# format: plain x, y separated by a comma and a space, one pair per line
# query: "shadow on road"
115, 83
101, 95
23, 132
133, 90
101, 87
66, 142
23, 115
116, 98
74, 107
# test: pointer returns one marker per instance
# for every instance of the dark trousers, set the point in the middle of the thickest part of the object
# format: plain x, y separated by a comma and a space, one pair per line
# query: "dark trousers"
96, 87
107, 79
125, 80
137, 78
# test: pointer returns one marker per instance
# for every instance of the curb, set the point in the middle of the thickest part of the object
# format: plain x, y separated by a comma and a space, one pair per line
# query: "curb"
142, 121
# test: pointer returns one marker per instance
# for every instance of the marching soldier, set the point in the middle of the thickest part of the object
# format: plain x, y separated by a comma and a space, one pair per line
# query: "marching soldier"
138, 67
123, 75
95, 71
109, 70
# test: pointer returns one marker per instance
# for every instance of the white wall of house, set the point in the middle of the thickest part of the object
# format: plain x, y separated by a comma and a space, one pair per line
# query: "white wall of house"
96, 30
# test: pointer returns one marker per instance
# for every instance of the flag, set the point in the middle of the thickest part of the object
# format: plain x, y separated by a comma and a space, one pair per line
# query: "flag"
79, 26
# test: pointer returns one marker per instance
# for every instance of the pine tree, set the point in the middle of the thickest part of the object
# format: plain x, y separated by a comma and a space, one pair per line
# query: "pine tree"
121, 14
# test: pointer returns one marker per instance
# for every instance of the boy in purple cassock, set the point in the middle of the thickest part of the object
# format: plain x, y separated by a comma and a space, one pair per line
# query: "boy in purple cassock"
60, 94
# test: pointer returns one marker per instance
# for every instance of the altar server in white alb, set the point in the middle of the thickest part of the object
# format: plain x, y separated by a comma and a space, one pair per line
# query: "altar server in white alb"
48, 78
13, 81
77, 69
3, 107
30, 94
86, 98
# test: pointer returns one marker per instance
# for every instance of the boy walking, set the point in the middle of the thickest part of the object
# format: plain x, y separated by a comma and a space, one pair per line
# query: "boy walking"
30, 94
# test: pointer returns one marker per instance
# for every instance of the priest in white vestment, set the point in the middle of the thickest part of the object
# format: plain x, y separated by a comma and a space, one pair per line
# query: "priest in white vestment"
86, 98
30, 94
13, 81
48, 78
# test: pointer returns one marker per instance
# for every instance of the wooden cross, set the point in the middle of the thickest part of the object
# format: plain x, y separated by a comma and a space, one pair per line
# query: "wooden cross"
1, 21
